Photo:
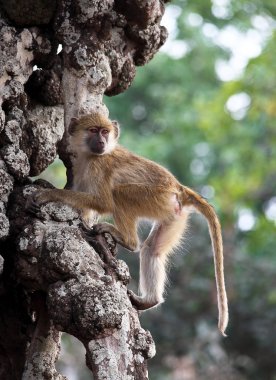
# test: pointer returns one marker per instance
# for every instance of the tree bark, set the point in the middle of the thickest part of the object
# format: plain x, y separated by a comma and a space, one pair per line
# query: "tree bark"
51, 279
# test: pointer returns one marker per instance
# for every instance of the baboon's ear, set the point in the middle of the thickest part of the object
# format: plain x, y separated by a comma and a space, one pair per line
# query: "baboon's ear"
116, 128
72, 126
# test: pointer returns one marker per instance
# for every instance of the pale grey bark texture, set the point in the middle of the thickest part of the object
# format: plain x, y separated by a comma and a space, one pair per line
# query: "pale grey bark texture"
51, 279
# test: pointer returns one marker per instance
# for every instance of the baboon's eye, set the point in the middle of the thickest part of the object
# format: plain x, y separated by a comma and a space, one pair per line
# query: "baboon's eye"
105, 132
93, 130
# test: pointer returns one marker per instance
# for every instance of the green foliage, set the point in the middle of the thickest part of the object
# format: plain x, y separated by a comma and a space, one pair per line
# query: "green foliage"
56, 174
179, 113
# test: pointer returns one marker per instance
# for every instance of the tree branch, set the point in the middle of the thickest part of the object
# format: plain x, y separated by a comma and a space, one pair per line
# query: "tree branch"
79, 291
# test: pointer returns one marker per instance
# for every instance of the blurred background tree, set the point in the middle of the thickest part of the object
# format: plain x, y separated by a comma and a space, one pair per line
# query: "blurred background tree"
205, 108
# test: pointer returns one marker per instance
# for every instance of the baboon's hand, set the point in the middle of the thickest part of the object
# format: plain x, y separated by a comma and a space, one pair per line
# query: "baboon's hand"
107, 228
88, 232
35, 201
31, 205
101, 228
105, 246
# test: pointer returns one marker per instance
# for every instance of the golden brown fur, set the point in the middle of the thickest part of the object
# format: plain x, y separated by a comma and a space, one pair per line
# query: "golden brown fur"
130, 187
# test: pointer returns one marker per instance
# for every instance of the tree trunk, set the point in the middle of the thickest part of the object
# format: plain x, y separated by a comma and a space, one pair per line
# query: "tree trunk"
51, 279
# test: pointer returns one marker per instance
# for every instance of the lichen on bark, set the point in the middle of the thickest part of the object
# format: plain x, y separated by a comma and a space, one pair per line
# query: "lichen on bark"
51, 279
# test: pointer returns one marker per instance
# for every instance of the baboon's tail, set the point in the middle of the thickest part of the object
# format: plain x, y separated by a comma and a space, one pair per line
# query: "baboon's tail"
191, 198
